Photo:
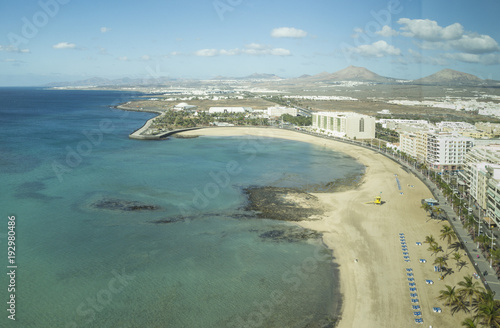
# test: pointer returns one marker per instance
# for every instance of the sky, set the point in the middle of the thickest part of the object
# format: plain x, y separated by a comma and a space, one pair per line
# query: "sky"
44, 41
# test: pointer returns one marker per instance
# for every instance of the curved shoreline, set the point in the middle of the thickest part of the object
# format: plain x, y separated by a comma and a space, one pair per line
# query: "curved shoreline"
365, 238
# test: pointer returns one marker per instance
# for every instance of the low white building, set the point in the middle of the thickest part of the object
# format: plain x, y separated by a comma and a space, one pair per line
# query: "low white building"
214, 110
184, 106
344, 124
278, 111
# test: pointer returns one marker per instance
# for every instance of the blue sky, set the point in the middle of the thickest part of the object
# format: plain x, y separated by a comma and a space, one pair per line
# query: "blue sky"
65, 40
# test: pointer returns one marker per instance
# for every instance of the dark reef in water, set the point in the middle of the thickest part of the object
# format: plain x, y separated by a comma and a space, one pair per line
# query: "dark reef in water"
290, 235
123, 205
286, 204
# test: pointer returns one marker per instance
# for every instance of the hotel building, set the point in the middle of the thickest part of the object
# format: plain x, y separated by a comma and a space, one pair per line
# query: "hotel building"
344, 124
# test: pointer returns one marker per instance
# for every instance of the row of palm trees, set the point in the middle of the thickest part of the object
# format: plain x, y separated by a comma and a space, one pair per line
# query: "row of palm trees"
470, 297
468, 220
448, 235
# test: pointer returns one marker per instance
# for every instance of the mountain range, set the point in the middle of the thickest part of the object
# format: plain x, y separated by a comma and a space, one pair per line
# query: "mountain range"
447, 77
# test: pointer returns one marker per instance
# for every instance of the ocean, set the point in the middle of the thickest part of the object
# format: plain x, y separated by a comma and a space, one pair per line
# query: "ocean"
115, 232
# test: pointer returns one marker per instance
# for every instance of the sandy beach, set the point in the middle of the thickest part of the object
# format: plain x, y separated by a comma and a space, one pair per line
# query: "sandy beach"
375, 288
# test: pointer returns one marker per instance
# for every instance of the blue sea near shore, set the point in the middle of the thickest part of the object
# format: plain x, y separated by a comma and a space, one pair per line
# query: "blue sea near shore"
114, 232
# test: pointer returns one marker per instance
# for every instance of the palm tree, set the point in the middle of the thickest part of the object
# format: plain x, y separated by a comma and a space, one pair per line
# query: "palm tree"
495, 255
469, 323
489, 314
448, 234
469, 289
448, 295
457, 257
483, 240
437, 211
435, 248
456, 246
483, 298
441, 261
430, 240
426, 207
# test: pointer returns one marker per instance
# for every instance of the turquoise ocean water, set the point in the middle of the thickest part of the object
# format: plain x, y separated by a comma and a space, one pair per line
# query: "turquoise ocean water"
81, 265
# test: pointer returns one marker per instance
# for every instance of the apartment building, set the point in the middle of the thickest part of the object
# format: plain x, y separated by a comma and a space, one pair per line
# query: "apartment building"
344, 124
446, 152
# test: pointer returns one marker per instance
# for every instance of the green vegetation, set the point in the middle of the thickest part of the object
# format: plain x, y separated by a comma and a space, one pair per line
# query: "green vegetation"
470, 297
171, 120
297, 120
386, 134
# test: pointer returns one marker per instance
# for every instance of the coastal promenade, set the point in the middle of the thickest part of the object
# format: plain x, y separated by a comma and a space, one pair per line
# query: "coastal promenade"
482, 265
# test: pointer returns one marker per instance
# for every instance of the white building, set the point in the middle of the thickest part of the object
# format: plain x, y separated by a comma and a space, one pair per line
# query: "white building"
408, 144
184, 106
493, 194
446, 151
278, 111
213, 110
344, 124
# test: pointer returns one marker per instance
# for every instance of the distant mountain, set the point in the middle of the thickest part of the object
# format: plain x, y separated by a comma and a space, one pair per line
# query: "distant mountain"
102, 82
255, 76
359, 74
451, 77
351, 73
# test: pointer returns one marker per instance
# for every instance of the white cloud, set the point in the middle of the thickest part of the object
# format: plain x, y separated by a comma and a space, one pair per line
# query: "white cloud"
475, 44
253, 49
417, 57
429, 30
357, 32
105, 29
377, 49
207, 52
146, 57
11, 48
387, 31
288, 32
123, 58
64, 45
464, 57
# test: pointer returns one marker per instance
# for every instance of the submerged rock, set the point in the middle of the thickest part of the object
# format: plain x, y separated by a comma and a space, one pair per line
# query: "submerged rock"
290, 235
287, 204
168, 220
123, 205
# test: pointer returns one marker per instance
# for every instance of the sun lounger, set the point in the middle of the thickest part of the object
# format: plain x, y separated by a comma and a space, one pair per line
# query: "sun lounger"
411, 284
411, 279
404, 249
422, 261
413, 289
405, 253
414, 300
419, 320
413, 295
409, 269
409, 274
436, 309
415, 307
406, 257
407, 260
418, 243
429, 282
401, 234
417, 313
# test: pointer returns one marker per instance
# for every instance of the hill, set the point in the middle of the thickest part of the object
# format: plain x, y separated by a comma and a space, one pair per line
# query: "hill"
450, 77
351, 73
